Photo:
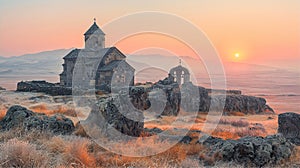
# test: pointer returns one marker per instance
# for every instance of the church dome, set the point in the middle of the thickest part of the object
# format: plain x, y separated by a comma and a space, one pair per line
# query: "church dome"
179, 68
94, 29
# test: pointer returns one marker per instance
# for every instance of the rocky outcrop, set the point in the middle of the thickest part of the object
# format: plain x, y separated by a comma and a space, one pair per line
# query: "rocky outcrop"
18, 116
44, 87
289, 126
109, 119
250, 151
163, 98
170, 100
1, 88
194, 98
139, 97
243, 103
228, 92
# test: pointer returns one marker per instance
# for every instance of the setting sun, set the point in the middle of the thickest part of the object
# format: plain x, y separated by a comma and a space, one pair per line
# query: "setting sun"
237, 55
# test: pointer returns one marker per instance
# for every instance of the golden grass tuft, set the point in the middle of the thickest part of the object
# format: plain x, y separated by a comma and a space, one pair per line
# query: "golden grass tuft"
2, 113
236, 113
40, 108
225, 134
76, 152
73, 150
16, 153
295, 158
61, 109
238, 132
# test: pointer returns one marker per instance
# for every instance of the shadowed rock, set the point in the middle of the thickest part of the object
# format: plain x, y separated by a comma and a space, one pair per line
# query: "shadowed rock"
244, 104
163, 98
18, 116
1, 88
253, 151
44, 87
289, 126
109, 119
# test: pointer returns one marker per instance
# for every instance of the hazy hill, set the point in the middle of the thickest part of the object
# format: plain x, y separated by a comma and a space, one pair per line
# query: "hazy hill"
43, 63
48, 64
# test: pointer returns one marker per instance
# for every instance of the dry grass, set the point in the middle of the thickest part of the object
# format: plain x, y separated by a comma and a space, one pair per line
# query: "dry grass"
228, 127
17, 153
236, 133
32, 149
73, 150
240, 123
295, 159
2, 113
235, 123
225, 133
43, 108
58, 109
236, 113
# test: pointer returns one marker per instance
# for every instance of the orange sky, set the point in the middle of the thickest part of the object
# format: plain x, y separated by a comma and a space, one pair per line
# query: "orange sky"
261, 31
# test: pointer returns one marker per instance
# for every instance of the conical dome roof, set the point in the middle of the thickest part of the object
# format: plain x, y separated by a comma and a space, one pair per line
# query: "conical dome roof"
94, 29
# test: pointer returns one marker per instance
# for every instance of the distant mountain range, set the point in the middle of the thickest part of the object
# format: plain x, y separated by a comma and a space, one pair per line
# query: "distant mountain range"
250, 78
50, 63
43, 63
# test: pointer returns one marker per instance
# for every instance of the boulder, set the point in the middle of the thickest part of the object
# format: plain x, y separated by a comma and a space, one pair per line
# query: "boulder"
243, 103
15, 117
186, 140
43, 87
250, 151
18, 116
57, 124
1, 88
109, 119
289, 126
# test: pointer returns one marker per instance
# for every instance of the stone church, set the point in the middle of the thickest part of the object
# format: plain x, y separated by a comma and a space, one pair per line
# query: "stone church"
111, 68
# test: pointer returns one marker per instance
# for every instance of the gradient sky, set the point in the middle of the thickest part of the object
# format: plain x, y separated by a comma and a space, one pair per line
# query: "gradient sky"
262, 32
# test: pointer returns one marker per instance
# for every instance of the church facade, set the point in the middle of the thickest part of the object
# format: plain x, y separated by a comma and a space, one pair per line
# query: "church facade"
111, 69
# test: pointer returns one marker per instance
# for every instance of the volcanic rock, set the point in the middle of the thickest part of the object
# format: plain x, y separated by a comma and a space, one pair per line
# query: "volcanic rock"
108, 118
243, 103
253, 151
289, 126
18, 116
